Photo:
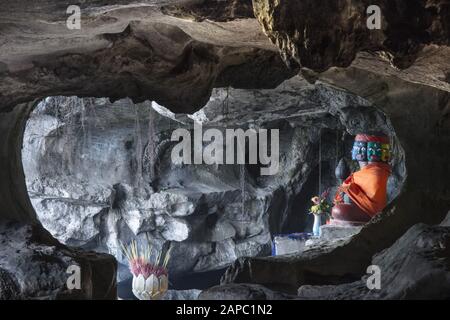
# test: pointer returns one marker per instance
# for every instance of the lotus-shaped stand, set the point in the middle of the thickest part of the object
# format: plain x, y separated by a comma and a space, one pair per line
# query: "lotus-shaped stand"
150, 275
152, 288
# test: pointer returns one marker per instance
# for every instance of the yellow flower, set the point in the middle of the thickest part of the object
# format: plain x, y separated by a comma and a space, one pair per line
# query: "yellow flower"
315, 209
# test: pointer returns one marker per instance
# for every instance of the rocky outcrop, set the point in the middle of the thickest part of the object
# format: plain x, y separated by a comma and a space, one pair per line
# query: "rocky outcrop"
212, 214
134, 50
215, 10
322, 35
137, 51
138, 191
130, 51
181, 294
35, 266
414, 267
243, 292
424, 190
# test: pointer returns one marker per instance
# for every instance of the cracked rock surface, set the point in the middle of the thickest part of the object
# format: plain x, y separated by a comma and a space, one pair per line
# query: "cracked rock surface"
34, 266
420, 256
99, 174
183, 54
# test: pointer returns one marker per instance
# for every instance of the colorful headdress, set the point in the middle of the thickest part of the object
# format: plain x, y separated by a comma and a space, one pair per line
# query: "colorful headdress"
371, 148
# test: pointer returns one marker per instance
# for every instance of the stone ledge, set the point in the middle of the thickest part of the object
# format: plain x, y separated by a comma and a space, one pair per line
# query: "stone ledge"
331, 232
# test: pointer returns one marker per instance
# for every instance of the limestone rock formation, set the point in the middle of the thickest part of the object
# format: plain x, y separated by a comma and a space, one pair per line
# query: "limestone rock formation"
215, 10
132, 51
181, 294
331, 33
243, 292
180, 53
321, 266
35, 266
414, 267
420, 256
203, 210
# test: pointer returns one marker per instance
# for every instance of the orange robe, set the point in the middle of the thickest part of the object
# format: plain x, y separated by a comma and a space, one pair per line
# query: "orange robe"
368, 187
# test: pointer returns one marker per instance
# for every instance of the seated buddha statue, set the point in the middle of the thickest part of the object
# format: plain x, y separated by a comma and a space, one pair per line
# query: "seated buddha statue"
363, 194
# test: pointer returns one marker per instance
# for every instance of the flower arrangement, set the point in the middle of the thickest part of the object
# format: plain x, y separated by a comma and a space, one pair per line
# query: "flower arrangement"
150, 275
321, 205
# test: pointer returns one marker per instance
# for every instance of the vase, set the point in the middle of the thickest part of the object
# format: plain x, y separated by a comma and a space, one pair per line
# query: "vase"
152, 288
317, 224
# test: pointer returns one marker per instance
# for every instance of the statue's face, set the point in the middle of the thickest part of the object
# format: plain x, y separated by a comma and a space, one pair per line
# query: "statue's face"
378, 152
374, 151
359, 151
385, 152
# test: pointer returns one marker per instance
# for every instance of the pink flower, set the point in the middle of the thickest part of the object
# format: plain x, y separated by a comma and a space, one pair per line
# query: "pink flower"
315, 200
140, 266
325, 194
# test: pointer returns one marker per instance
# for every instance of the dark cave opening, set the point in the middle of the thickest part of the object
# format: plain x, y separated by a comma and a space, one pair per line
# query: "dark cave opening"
334, 146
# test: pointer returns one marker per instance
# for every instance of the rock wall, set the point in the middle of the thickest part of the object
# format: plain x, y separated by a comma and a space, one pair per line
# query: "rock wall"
137, 51
419, 116
420, 256
32, 263
132, 51
101, 172
331, 33
414, 267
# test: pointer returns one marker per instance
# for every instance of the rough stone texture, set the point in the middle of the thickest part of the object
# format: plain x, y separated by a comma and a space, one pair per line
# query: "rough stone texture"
181, 294
243, 292
285, 245
427, 109
99, 174
330, 232
215, 10
177, 62
9, 290
136, 51
330, 33
424, 196
330, 235
34, 267
130, 51
414, 267
446, 221
33, 264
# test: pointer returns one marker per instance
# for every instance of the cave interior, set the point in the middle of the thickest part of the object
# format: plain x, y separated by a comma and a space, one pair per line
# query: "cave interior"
88, 118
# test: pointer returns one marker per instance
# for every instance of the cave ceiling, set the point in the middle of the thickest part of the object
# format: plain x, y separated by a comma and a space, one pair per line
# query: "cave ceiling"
176, 52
